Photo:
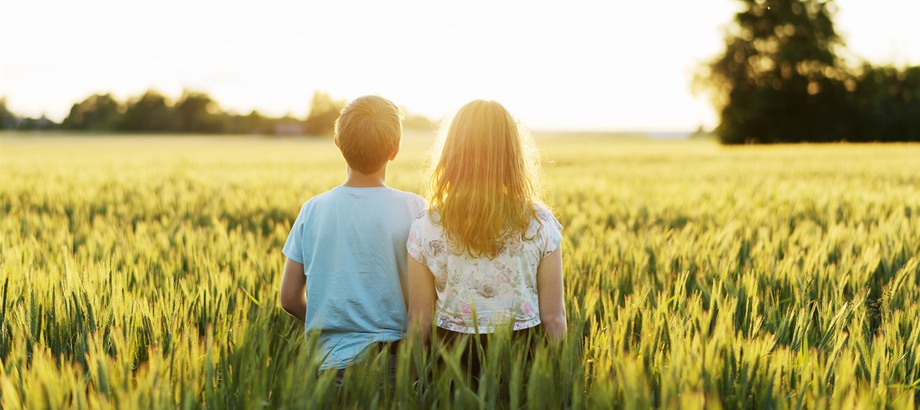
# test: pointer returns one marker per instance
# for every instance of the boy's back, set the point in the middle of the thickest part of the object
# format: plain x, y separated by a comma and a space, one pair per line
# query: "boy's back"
352, 244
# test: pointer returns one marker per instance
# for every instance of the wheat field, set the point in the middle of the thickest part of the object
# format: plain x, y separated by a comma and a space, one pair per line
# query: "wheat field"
143, 272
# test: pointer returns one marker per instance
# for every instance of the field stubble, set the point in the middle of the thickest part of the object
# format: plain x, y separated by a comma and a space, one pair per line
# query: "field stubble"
144, 272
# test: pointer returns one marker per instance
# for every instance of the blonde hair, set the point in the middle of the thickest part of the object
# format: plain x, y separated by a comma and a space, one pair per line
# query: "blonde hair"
483, 187
367, 132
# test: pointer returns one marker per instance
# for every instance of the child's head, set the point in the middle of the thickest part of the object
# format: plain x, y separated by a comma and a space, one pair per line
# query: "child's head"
484, 184
367, 132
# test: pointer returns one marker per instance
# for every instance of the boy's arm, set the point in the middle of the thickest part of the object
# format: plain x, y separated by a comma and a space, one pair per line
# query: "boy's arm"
294, 290
550, 293
422, 297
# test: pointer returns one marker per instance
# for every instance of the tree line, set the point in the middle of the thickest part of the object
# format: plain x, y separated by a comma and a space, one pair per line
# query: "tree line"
194, 112
781, 78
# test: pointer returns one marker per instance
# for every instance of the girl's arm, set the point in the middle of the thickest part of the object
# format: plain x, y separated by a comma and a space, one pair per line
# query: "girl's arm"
294, 290
550, 293
422, 298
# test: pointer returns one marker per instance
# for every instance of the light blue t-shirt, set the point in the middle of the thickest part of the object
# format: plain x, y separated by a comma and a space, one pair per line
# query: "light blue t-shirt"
352, 244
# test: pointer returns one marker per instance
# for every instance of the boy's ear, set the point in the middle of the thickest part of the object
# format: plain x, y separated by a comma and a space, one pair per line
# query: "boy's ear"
395, 151
336, 141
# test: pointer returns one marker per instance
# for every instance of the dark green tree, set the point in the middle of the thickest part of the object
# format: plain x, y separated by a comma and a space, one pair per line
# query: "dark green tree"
324, 110
255, 123
252, 123
886, 104
36, 124
149, 113
98, 112
196, 112
8, 120
779, 78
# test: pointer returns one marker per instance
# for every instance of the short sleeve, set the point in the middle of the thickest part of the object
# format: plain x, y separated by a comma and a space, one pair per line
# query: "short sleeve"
414, 245
293, 247
417, 205
551, 232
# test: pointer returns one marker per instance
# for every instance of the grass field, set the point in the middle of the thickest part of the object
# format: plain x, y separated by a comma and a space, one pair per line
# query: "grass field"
144, 273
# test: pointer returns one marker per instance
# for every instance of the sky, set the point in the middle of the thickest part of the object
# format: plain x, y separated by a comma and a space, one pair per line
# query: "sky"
612, 65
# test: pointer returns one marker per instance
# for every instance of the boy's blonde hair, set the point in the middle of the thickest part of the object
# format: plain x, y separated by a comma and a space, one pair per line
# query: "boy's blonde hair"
367, 132
484, 185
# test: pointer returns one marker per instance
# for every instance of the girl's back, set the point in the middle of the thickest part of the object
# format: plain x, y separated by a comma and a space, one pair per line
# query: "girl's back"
477, 294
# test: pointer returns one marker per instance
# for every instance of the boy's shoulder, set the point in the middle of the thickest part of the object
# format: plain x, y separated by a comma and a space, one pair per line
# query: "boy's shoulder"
415, 201
317, 199
332, 197
403, 193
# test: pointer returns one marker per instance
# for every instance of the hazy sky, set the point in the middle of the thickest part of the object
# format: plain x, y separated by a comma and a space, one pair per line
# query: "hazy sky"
601, 65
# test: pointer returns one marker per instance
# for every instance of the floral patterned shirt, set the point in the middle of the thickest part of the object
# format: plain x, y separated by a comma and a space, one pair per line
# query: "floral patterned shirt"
500, 290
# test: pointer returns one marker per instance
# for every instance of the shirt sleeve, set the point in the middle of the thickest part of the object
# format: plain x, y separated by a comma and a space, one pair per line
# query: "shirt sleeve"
552, 232
418, 205
415, 243
293, 247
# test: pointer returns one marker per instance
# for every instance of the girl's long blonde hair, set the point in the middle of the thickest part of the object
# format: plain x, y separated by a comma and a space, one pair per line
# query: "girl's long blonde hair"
484, 185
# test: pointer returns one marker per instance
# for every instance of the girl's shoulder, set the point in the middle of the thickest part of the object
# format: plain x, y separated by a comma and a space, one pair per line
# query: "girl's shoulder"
545, 217
425, 221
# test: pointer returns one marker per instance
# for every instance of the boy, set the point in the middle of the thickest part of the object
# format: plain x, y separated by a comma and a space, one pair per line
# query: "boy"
345, 275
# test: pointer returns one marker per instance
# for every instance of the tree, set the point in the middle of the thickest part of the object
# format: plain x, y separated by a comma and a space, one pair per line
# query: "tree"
149, 113
779, 78
252, 123
197, 112
886, 104
324, 110
96, 112
36, 124
8, 120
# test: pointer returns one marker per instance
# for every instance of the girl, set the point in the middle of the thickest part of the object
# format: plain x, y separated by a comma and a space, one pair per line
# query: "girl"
485, 254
